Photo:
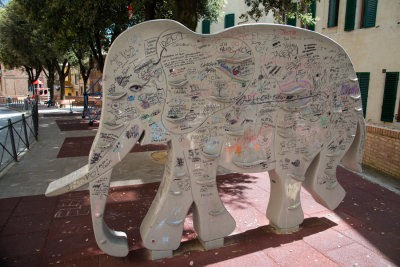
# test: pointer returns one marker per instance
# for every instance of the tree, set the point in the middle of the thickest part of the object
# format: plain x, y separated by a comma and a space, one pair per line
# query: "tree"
87, 28
281, 10
186, 12
20, 42
48, 18
96, 23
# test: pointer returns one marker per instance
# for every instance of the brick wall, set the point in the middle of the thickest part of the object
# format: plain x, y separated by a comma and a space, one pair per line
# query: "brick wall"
382, 150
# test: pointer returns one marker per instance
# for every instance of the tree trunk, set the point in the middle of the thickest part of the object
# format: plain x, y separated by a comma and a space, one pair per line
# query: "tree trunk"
50, 78
85, 80
150, 9
50, 84
62, 74
85, 73
186, 13
96, 48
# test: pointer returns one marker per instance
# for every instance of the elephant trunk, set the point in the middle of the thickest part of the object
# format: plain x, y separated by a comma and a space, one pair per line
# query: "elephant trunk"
110, 146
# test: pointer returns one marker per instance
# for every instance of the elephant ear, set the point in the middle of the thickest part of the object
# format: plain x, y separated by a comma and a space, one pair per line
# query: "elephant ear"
135, 85
204, 75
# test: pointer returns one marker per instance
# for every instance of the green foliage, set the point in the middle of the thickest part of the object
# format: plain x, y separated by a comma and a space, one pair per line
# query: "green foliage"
20, 42
52, 32
186, 12
281, 10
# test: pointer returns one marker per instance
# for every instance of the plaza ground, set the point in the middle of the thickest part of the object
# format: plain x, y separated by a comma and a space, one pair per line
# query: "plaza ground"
39, 231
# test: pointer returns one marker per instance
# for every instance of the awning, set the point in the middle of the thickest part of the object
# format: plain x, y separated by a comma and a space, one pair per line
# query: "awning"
38, 82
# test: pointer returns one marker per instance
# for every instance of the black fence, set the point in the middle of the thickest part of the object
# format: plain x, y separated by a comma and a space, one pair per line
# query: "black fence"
18, 136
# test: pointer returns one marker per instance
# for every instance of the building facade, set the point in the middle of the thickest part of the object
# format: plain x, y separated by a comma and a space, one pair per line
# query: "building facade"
14, 82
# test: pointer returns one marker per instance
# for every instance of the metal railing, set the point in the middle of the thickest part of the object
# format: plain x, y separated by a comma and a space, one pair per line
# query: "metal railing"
16, 103
18, 136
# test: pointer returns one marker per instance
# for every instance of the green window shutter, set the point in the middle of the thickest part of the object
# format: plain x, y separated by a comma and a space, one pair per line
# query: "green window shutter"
389, 96
229, 20
363, 81
293, 20
370, 7
350, 15
313, 9
205, 27
333, 13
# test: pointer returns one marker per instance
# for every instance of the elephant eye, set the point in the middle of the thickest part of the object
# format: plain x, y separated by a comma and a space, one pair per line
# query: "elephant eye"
135, 88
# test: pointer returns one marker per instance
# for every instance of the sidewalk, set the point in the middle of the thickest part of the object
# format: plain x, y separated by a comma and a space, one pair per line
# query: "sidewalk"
39, 231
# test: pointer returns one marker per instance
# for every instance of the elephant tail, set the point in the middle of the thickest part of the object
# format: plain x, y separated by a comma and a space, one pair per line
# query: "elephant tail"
353, 158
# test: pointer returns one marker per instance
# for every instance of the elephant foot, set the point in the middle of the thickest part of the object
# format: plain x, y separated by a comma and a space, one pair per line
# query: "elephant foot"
112, 242
285, 220
212, 244
280, 231
212, 223
160, 254
284, 207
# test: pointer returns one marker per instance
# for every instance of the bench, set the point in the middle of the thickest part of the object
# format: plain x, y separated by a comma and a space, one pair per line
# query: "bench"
81, 103
64, 102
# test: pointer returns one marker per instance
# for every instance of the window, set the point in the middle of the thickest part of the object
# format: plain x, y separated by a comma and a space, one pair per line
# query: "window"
369, 18
229, 20
76, 78
389, 96
350, 15
292, 21
333, 13
313, 8
363, 81
205, 27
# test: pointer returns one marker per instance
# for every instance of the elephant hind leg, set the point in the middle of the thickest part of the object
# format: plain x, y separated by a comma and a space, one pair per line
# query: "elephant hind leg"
284, 207
111, 242
321, 182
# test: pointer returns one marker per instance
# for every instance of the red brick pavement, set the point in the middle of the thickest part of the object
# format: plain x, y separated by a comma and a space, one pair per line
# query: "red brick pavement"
363, 231
80, 146
76, 125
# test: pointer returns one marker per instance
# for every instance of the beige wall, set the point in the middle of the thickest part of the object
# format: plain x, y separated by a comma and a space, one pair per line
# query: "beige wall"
371, 49
14, 82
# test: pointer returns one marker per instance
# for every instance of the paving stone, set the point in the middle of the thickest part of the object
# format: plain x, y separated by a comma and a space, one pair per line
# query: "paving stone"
357, 255
32, 260
327, 240
35, 205
22, 245
26, 224
299, 254
72, 247
254, 259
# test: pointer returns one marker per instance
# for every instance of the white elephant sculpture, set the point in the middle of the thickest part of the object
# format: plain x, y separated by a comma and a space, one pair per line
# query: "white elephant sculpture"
252, 98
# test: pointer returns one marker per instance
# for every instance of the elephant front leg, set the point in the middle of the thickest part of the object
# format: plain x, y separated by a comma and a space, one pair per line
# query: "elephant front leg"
211, 219
162, 227
111, 242
284, 207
